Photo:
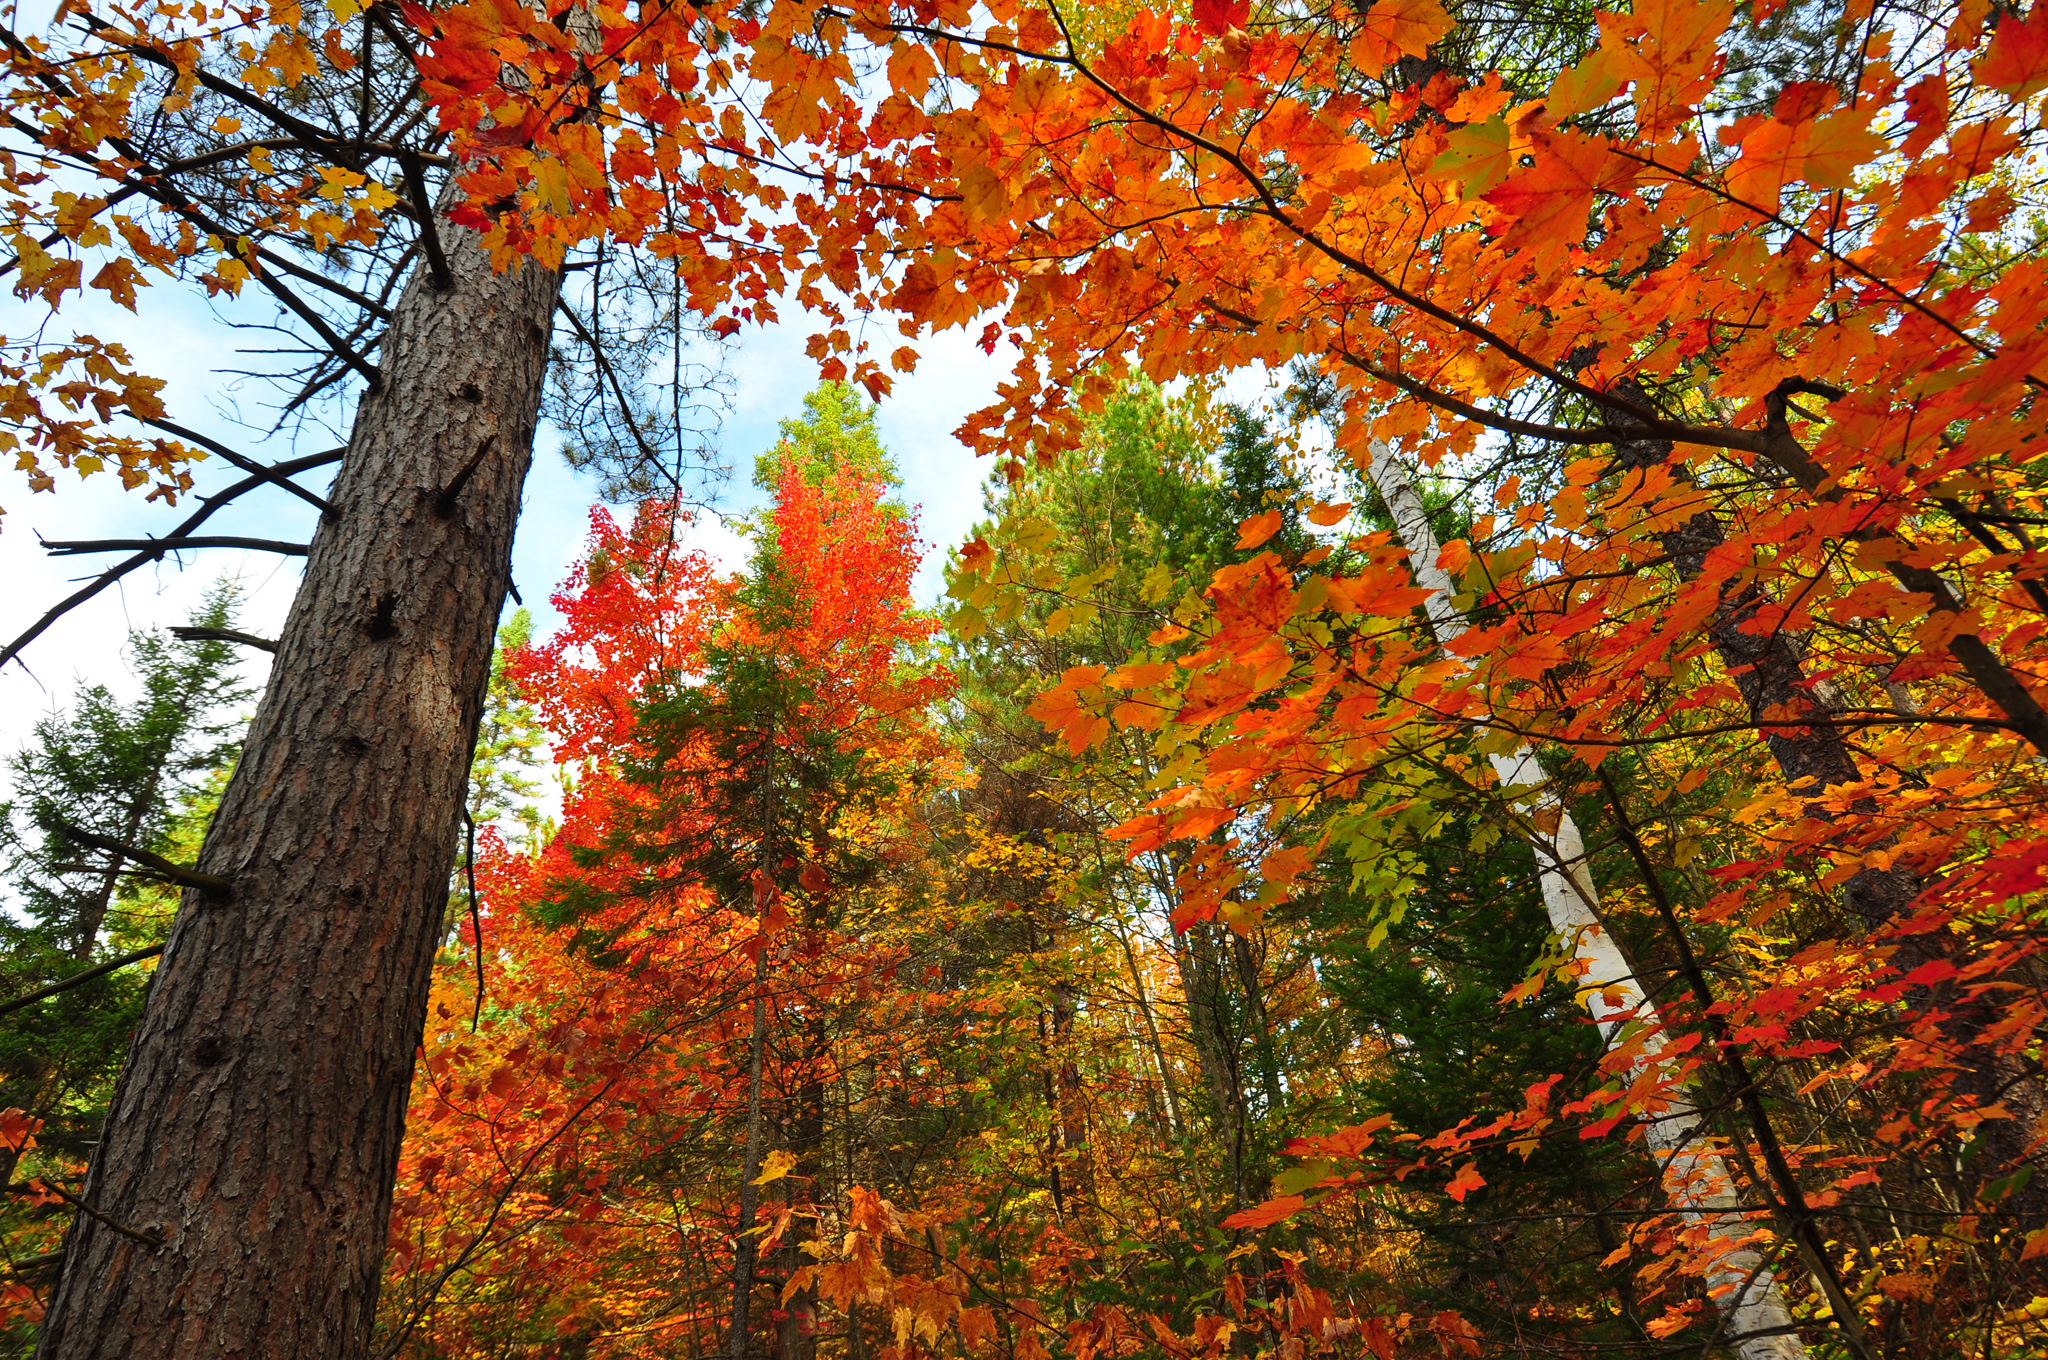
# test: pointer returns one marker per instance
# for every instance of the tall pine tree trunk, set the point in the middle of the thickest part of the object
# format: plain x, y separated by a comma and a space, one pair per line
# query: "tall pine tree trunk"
256, 1125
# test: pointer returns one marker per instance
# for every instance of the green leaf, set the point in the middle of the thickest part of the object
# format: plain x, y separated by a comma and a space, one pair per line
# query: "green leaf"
1479, 156
1296, 1180
1158, 584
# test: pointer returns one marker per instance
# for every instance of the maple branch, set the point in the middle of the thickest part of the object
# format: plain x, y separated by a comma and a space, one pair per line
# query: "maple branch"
1979, 530
232, 243
423, 214
1710, 436
1907, 299
1791, 1198
226, 89
242, 461
78, 979
158, 547
1991, 675
374, 13
193, 521
187, 633
54, 237
513, 1181
1272, 207
319, 280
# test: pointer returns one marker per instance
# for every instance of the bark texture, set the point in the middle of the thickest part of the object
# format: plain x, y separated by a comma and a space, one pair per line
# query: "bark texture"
255, 1129
1769, 670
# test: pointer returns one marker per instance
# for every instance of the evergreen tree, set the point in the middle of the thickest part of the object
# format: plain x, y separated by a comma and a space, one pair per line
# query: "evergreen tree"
835, 435
1427, 979
147, 774
510, 744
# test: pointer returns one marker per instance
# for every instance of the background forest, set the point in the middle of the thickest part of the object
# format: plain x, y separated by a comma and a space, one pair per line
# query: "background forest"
1526, 839
825, 1011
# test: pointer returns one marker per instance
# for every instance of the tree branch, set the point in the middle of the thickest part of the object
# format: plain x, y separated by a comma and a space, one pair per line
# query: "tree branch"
175, 873
611, 379
241, 461
1984, 666
1791, 1199
444, 504
147, 1239
115, 573
66, 984
159, 547
189, 634
423, 213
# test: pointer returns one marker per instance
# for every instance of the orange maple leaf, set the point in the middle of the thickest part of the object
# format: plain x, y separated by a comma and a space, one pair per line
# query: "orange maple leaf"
2016, 62
1465, 1182
1258, 528
1276, 1210
1394, 28
1549, 201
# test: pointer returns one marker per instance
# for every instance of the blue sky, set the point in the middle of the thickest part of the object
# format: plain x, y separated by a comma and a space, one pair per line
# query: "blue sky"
180, 339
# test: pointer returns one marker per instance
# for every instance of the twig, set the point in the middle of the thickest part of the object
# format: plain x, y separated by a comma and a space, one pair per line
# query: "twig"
1790, 1198
159, 547
66, 984
476, 924
190, 634
193, 521
147, 1239
30, 1264
1979, 530
175, 873
242, 461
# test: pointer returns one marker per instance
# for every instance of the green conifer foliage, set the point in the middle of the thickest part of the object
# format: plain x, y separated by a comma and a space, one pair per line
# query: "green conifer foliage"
510, 746
836, 433
1431, 988
146, 773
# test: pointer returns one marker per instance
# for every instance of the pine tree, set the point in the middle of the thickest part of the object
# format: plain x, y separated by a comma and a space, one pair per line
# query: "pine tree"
145, 773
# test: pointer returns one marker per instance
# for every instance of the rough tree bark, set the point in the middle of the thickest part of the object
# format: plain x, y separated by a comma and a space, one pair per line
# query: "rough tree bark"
1769, 670
255, 1128
746, 1244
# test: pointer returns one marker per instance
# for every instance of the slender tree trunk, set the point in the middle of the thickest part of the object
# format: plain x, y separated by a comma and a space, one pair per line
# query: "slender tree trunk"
1257, 1018
1769, 670
1175, 1121
1216, 1049
745, 1244
805, 1137
256, 1125
1696, 1177
131, 834
1073, 1107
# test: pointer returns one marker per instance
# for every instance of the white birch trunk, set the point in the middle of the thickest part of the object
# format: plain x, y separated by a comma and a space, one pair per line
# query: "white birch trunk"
1695, 1176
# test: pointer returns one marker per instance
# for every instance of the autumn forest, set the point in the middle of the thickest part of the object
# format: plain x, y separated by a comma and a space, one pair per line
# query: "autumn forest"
1478, 788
